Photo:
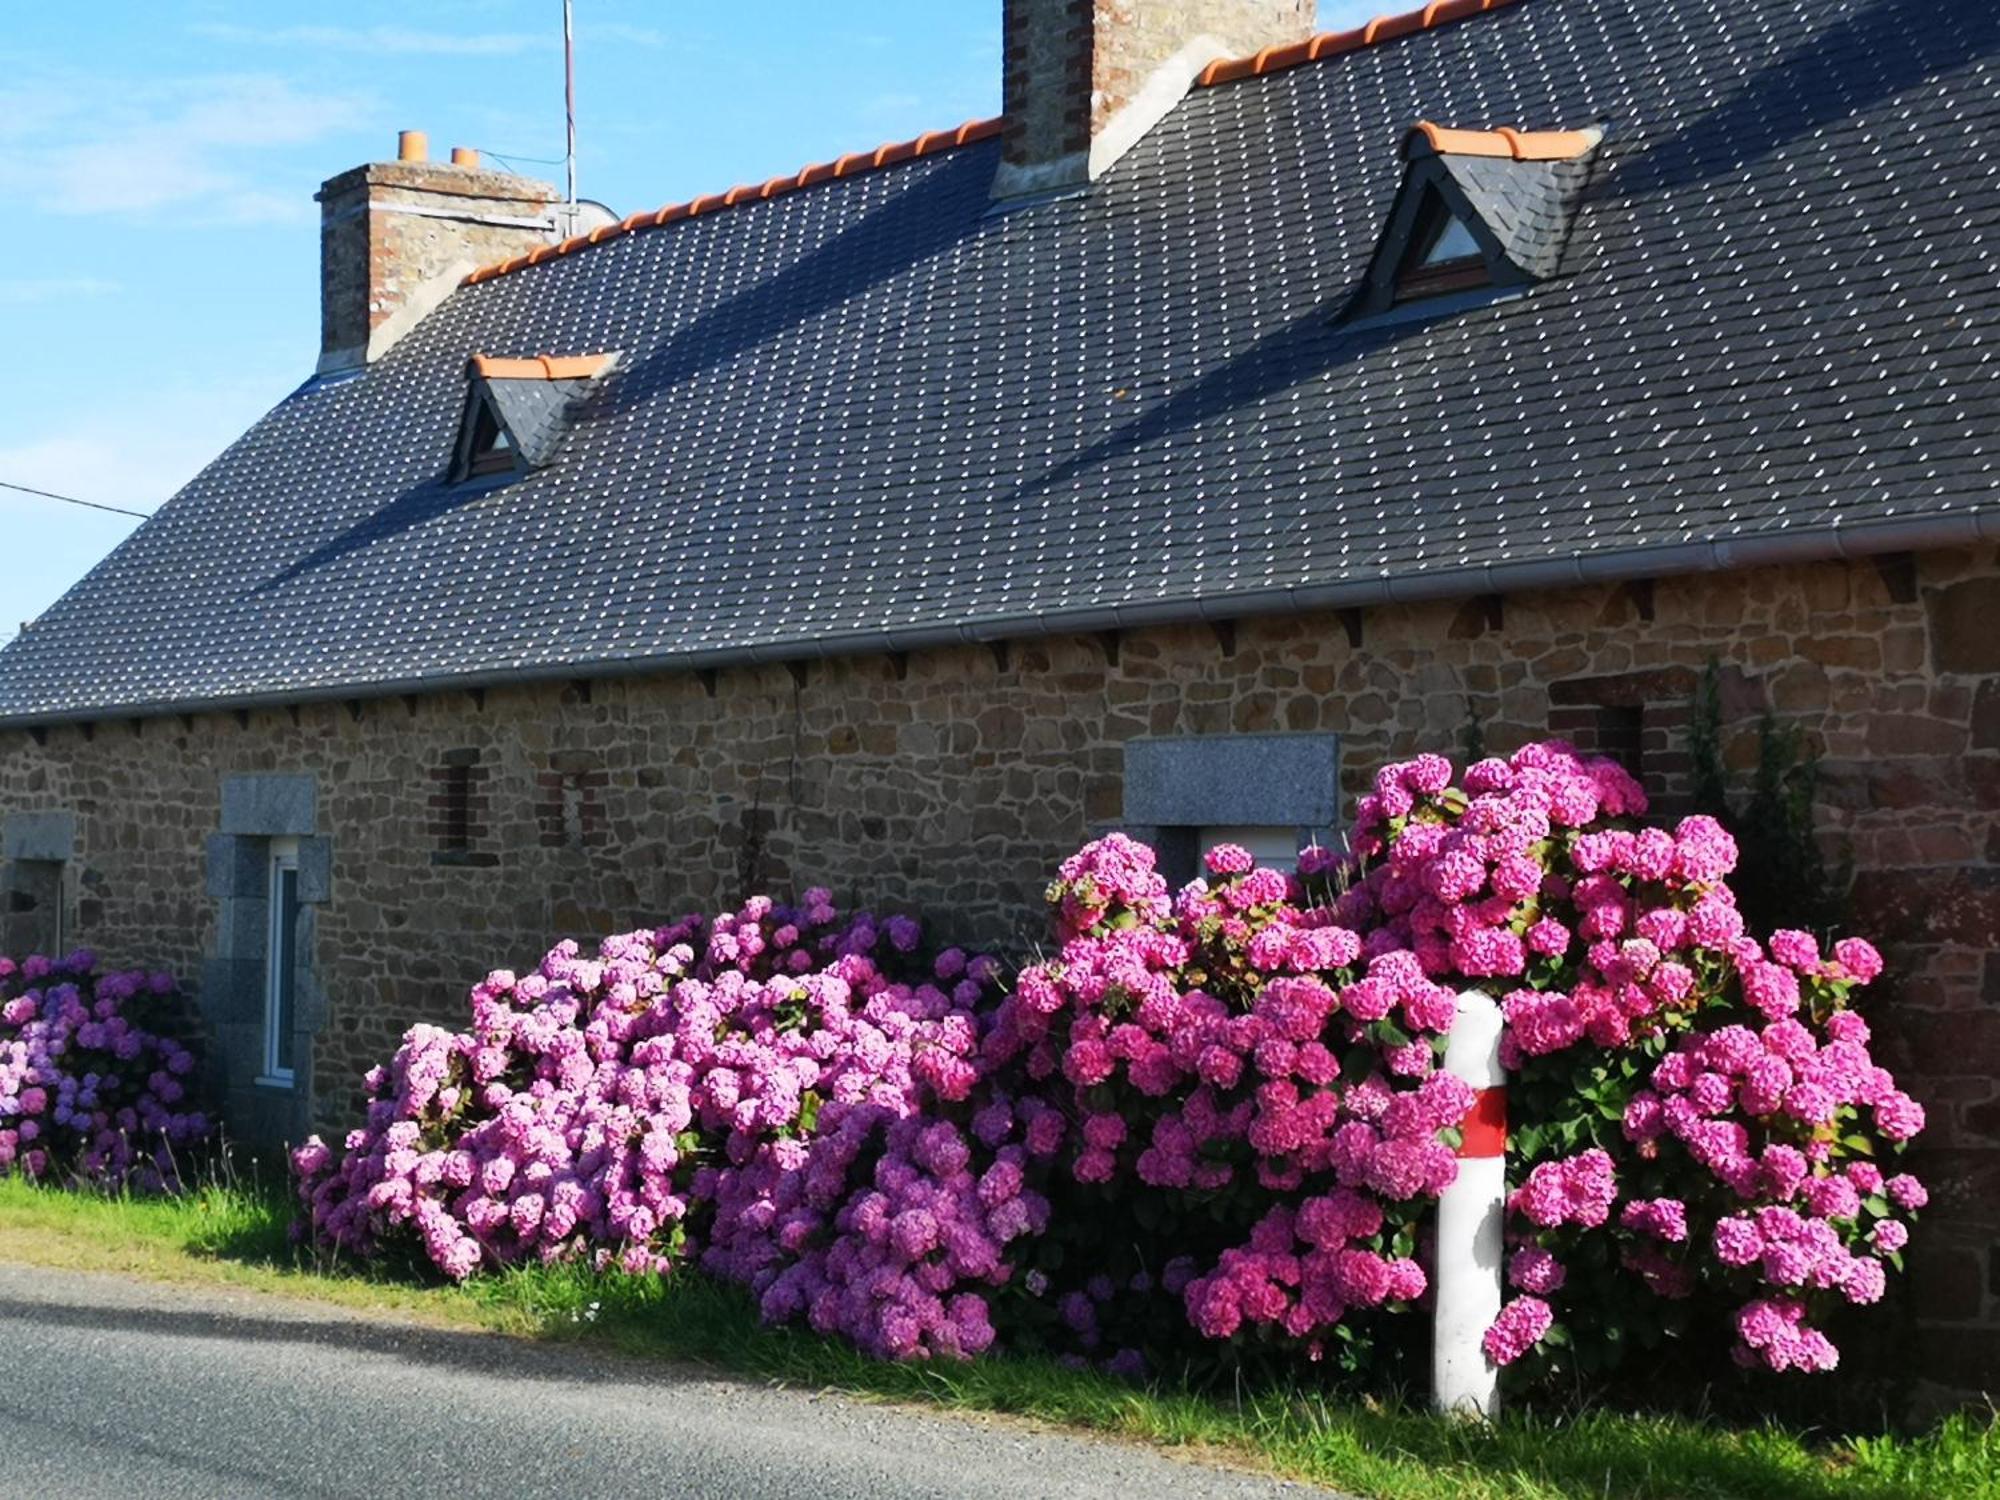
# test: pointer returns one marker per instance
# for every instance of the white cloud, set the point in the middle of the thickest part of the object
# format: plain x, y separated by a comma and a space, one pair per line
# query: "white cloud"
81, 144
35, 290
380, 40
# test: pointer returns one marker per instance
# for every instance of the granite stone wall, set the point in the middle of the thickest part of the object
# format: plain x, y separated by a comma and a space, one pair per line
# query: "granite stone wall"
465, 832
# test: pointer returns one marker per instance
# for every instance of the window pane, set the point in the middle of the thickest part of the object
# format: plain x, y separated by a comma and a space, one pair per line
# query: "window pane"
1454, 242
283, 978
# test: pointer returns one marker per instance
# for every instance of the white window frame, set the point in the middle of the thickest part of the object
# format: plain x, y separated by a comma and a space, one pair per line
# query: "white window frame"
284, 858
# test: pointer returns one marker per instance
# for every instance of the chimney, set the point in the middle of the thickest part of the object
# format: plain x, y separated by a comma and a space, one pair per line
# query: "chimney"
1085, 79
396, 236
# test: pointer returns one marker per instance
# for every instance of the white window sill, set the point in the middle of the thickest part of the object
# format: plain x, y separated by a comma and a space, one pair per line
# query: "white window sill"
271, 1081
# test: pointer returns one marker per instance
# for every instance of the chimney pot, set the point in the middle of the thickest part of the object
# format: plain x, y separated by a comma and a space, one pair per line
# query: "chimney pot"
396, 237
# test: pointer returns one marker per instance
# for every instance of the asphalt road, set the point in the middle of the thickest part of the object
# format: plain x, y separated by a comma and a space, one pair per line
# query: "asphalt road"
114, 1388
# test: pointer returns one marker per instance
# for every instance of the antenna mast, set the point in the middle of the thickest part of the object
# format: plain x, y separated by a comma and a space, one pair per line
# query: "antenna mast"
569, 106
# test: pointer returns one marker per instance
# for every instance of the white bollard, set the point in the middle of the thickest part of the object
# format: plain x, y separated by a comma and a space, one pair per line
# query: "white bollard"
1468, 1293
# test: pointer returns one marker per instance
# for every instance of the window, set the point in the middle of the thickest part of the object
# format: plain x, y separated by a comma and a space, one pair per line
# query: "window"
490, 450
1452, 241
281, 959
1481, 215
456, 836
1271, 793
1277, 848
459, 810
1444, 256
518, 411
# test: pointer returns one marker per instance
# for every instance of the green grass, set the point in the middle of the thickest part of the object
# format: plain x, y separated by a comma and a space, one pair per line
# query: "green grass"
235, 1236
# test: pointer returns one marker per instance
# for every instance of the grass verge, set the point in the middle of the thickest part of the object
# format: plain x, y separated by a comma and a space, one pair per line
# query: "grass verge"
235, 1236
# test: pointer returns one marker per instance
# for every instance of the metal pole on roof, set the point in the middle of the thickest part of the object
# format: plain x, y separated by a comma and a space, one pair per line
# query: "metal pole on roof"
569, 105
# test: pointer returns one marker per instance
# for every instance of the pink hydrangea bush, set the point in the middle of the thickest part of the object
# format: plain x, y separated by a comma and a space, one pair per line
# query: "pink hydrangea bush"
713, 1091
1698, 1118
1235, 1102
95, 1084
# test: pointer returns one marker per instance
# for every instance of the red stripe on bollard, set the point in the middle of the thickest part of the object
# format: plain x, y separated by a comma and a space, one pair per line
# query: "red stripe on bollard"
1485, 1125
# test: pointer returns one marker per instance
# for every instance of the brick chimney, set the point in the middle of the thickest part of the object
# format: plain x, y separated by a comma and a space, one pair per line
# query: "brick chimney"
1086, 78
396, 236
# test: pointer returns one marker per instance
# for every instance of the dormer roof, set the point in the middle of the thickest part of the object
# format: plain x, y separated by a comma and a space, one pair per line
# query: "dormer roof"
1501, 201
522, 409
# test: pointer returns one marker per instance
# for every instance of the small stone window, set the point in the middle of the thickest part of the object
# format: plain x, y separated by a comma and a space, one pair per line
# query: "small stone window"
1616, 730
1274, 794
35, 852
569, 811
1275, 847
1632, 717
459, 811
270, 873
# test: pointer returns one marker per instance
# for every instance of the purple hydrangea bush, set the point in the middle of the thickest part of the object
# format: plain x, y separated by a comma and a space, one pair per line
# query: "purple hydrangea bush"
1700, 1129
95, 1087
763, 1094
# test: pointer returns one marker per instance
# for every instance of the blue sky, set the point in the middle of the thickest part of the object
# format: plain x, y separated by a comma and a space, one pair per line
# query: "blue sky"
159, 283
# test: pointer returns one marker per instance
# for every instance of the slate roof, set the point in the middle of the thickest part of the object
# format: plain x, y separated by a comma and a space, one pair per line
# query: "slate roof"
874, 411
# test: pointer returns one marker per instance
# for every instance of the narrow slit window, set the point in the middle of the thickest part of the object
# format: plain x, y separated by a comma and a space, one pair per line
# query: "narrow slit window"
458, 809
281, 962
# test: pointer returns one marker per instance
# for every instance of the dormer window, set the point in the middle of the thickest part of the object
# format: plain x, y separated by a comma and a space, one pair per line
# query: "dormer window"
518, 411
1479, 213
490, 450
1445, 256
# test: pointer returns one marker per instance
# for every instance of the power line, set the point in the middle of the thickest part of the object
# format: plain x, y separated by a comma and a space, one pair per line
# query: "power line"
508, 156
116, 510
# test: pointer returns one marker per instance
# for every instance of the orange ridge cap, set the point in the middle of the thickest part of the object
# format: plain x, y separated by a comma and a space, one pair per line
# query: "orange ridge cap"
540, 366
888, 154
1334, 43
1503, 142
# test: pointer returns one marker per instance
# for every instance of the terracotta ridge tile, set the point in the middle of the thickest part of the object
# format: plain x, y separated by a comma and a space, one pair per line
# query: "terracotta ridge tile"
540, 366
1334, 43
928, 144
1223, 70
1504, 142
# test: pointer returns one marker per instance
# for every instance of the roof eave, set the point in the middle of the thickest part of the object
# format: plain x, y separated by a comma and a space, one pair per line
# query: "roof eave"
1926, 533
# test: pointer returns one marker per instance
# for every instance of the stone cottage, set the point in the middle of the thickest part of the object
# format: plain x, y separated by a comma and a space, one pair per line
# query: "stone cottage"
1243, 408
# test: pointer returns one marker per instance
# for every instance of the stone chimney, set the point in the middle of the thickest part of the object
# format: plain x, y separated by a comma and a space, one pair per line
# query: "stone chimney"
395, 237
1086, 78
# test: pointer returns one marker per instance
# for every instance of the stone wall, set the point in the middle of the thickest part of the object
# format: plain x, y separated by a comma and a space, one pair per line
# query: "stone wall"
951, 781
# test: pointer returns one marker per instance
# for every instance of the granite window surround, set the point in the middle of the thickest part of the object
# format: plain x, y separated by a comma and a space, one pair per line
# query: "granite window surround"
1176, 786
256, 810
36, 849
